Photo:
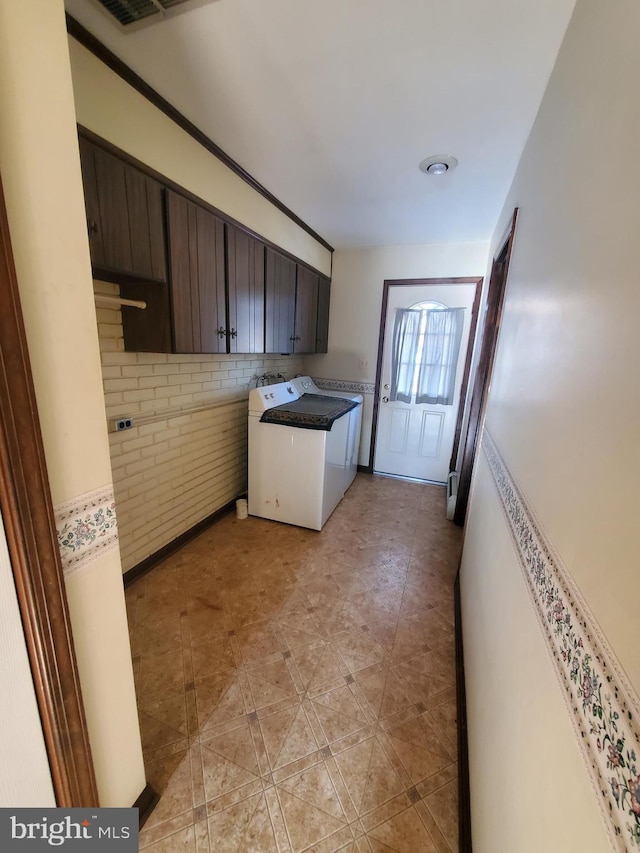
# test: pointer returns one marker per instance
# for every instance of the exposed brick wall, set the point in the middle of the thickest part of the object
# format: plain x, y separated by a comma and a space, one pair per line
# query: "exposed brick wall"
186, 455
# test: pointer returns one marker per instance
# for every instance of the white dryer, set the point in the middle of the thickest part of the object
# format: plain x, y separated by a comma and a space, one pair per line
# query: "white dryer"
300, 453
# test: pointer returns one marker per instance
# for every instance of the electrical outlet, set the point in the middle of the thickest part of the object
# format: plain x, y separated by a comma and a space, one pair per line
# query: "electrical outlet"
364, 363
123, 423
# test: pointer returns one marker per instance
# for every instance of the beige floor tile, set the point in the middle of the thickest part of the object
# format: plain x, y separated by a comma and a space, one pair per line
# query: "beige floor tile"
318, 665
444, 718
313, 674
359, 649
418, 747
288, 736
177, 797
221, 775
311, 807
404, 833
218, 701
369, 776
183, 841
339, 713
271, 683
243, 827
443, 805
212, 657
385, 692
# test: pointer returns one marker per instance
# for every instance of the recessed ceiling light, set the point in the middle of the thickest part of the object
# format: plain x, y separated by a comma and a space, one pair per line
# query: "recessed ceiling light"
438, 164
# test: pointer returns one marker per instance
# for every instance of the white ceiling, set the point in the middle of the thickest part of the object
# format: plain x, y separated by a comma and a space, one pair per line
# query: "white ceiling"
332, 104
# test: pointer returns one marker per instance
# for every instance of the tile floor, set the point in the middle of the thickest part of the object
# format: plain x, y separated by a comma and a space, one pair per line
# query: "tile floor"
296, 689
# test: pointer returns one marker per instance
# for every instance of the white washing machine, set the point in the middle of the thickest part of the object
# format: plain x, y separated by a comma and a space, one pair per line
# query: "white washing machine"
306, 385
301, 452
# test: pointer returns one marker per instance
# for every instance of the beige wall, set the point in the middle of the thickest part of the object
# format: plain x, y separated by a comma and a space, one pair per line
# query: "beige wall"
111, 108
356, 302
186, 455
564, 412
40, 169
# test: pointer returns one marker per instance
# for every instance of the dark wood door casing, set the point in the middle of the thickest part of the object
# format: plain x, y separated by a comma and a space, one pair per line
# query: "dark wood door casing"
491, 330
27, 512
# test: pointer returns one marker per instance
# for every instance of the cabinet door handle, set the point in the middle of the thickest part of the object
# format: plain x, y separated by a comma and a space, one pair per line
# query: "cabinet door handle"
233, 333
297, 338
222, 332
292, 338
92, 227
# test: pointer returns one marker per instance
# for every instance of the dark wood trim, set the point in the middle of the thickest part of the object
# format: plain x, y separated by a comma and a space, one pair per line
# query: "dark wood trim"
421, 282
146, 803
119, 278
365, 469
464, 388
149, 562
464, 794
25, 503
92, 44
490, 333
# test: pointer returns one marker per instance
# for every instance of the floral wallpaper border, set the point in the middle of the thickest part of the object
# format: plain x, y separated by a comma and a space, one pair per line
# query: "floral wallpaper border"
345, 385
87, 528
603, 705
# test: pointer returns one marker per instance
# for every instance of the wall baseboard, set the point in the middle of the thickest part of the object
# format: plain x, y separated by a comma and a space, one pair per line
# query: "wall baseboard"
152, 560
146, 803
464, 796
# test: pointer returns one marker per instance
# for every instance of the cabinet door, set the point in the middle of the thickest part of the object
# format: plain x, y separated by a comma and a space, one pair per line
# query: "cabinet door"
114, 213
245, 275
196, 253
124, 217
146, 230
306, 311
280, 292
210, 281
322, 327
91, 202
185, 310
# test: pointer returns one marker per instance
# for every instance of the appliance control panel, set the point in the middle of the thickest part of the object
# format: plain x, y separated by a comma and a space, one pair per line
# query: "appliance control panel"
304, 385
269, 396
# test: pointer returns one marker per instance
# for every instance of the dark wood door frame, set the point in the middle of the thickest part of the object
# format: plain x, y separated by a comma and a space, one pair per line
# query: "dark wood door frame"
491, 330
421, 282
27, 512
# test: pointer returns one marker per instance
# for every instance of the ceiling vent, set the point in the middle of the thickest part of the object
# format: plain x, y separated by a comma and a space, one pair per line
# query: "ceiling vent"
131, 14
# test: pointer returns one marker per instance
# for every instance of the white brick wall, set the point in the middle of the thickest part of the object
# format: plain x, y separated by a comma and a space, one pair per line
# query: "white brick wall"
176, 467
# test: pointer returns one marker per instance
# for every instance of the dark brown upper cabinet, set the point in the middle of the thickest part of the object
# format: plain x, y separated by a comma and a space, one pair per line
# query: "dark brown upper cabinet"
124, 218
197, 277
245, 294
280, 302
306, 311
209, 286
322, 327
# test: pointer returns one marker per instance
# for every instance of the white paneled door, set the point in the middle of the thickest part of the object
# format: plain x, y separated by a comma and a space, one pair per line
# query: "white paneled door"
415, 439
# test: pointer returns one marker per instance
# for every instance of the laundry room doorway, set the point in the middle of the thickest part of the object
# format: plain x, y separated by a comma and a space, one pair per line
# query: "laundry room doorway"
426, 340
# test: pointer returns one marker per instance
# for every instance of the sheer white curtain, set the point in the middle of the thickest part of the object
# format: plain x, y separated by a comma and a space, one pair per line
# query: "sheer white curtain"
424, 356
437, 377
404, 352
